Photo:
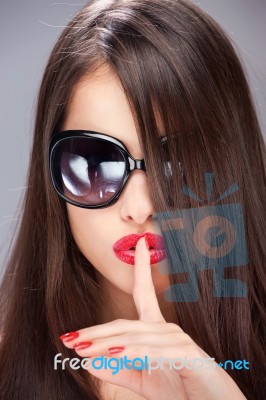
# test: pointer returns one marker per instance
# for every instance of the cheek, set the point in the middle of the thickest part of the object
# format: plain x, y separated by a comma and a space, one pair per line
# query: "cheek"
87, 231
94, 235
94, 239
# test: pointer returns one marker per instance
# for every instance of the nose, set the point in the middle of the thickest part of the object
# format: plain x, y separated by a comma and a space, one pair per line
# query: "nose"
136, 205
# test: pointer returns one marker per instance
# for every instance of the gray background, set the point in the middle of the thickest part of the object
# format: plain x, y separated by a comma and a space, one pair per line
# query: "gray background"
28, 30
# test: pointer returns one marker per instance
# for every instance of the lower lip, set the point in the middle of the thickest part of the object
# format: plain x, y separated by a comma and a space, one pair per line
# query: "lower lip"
128, 256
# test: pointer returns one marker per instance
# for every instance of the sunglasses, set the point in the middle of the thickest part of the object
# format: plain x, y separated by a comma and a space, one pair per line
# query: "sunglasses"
90, 169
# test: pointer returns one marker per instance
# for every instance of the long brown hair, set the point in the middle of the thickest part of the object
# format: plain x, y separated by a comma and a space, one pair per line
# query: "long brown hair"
176, 65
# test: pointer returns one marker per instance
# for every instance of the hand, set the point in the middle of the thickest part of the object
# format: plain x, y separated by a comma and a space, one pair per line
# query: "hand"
153, 337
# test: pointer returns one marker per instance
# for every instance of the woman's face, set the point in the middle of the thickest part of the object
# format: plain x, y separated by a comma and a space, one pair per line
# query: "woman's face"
99, 104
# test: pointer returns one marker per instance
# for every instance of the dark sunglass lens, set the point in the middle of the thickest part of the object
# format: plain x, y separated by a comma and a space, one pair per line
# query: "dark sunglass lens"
88, 170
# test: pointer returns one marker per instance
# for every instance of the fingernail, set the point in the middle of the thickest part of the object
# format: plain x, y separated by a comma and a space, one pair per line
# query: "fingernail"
67, 337
82, 345
114, 350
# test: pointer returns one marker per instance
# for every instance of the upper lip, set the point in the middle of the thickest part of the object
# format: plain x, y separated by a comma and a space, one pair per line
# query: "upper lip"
129, 241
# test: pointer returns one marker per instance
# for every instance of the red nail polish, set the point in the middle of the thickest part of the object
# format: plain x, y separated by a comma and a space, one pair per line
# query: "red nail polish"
114, 350
82, 345
67, 337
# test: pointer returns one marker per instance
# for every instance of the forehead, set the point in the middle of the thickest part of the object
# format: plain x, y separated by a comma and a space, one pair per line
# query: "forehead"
98, 103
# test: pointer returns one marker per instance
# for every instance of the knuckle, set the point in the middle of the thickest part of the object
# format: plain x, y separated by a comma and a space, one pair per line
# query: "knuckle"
118, 322
187, 340
135, 339
174, 327
182, 338
193, 349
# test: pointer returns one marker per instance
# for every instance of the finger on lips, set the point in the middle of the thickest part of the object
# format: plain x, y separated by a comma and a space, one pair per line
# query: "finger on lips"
143, 288
146, 302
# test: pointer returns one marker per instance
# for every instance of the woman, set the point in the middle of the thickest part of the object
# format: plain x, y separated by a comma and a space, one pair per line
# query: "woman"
160, 83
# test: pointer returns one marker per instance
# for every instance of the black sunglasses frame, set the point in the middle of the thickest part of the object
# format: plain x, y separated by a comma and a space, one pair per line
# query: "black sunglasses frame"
130, 162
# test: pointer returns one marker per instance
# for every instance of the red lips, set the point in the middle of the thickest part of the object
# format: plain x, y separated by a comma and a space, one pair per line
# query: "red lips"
124, 248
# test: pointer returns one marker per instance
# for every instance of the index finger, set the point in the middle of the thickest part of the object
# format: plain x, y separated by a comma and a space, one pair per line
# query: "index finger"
143, 288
